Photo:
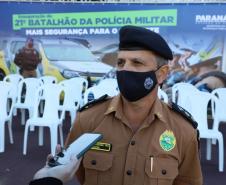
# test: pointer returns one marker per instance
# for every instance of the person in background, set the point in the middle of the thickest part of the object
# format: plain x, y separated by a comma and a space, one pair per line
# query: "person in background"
145, 141
27, 59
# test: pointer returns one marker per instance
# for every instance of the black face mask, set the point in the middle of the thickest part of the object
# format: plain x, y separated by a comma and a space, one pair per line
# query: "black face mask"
136, 85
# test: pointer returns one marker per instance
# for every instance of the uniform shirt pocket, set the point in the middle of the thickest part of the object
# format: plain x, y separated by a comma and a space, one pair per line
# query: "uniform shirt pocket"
160, 171
97, 168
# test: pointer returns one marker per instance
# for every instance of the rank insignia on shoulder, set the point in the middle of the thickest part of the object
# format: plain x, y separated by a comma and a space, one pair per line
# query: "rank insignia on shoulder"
106, 147
94, 102
184, 113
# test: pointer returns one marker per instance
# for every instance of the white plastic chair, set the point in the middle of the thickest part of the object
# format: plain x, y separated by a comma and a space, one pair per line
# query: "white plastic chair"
81, 84
107, 86
199, 103
50, 117
93, 93
162, 95
14, 80
110, 86
180, 91
219, 107
5, 116
48, 79
72, 97
25, 99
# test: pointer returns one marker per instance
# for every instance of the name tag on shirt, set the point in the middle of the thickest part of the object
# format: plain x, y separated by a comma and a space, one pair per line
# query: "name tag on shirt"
99, 146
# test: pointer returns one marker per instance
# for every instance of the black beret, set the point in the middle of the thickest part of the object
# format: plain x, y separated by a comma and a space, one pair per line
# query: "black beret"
137, 38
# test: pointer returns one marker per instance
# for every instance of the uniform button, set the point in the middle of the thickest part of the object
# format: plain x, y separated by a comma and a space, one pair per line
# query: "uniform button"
164, 172
129, 172
133, 142
93, 162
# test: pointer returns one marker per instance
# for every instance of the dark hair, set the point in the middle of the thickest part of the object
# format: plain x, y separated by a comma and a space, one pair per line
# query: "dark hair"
29, 39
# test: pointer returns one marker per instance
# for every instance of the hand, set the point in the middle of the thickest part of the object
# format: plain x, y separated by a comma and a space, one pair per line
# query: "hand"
62, 172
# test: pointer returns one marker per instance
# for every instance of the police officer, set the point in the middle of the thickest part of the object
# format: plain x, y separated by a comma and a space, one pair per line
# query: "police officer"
27, 59
145, 141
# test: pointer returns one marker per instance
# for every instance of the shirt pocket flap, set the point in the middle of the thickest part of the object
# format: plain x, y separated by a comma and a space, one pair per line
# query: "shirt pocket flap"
98, 161
162, 168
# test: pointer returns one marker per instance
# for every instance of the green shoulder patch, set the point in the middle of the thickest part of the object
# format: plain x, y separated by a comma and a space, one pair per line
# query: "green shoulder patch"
185, 114
94, 102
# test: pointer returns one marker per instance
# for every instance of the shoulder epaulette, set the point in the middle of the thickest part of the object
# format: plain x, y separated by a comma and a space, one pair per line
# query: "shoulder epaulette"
185, 114
94, 102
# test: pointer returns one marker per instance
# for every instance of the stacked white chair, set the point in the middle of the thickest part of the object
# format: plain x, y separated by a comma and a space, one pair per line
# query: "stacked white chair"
48, 79
81, 84
162, 95
5, 116
25, 99
199, 103
110, 86
219, 107
180, 92
93, 93
107, 86
14, 80
72, 97
51, 93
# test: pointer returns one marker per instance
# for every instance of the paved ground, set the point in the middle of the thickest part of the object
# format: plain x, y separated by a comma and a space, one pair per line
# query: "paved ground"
17, 169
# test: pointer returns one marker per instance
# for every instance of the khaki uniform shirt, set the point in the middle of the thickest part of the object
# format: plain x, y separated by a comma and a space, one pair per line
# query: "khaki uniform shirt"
163, 151
28, 73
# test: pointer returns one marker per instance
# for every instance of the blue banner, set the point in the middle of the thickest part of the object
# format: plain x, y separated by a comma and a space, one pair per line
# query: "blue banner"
197, 29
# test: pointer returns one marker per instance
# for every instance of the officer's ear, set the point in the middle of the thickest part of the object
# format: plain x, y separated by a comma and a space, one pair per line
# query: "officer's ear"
162, 73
